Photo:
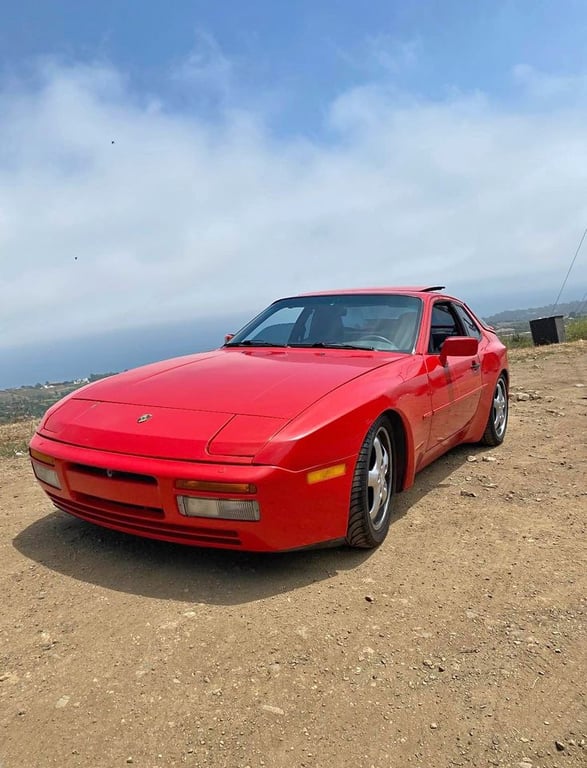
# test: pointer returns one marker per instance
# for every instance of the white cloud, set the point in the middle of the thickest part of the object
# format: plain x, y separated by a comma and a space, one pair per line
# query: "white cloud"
183, 217
381, 56
391, 55
206, 69
541, 86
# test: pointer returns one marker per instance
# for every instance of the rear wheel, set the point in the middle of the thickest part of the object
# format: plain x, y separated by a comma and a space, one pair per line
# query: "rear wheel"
373, 487
498, 415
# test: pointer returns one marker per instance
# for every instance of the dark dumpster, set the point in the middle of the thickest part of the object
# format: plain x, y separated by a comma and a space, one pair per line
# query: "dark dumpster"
548, 330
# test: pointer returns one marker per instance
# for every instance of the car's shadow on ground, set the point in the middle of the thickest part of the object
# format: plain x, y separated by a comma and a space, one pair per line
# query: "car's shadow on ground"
157, 569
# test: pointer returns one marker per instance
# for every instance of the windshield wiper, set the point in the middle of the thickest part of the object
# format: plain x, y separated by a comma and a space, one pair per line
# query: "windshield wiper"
254, 343
334, 345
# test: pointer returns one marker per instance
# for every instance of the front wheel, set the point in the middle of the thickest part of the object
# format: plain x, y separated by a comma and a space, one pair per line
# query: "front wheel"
498, 415
373, 487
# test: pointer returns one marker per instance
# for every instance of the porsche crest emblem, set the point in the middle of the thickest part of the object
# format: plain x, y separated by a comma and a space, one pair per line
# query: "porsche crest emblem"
143, 418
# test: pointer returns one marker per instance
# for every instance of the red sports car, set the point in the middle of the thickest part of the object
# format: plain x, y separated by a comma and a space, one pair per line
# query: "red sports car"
298, 431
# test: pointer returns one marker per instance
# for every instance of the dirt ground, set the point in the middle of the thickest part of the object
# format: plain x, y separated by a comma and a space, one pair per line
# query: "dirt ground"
460, 642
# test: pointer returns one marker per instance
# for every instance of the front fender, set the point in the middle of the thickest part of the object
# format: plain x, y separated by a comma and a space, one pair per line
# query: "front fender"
333, 429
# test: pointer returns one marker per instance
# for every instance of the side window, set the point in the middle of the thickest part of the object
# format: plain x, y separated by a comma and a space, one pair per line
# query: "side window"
445, 323
468, 323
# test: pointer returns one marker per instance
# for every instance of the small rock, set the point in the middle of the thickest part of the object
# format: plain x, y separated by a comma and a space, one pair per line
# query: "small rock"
470, 494
471, 458
273, 710
521, 397
369, 598
488, 458
433, 726
129, 760
579, 385
560, 746
62, 702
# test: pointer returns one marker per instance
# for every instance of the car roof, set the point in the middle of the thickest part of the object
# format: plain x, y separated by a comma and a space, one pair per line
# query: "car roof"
413, 290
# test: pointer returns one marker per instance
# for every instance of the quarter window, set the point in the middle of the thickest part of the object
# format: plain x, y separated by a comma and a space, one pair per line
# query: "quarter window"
468, 323
444, 324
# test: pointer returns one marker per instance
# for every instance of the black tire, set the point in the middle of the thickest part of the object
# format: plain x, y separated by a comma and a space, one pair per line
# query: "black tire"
497, 420
370, 505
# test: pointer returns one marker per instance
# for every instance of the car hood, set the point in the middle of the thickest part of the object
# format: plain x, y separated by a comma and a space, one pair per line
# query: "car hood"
226, 404
255, 382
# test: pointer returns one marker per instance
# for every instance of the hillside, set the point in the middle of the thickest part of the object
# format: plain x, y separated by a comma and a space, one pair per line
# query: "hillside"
523, 315
32, 402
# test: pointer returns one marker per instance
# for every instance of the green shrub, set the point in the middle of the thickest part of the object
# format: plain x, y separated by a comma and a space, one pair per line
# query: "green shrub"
576, 329
517, 340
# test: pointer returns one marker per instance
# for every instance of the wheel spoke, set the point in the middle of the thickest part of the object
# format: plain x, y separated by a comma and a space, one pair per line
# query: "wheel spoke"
379, 479
378, 453
374, 481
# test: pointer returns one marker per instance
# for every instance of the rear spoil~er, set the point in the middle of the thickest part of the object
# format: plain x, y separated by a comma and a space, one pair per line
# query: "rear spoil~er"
299, 431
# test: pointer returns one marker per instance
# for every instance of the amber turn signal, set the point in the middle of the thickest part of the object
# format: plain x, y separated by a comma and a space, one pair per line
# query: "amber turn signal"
213, 487
329, 473
41, 457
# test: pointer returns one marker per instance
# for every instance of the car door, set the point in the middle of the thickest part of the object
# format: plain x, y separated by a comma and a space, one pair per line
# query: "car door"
456, 384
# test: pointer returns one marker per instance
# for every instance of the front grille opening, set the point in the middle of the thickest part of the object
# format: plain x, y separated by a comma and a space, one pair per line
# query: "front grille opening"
118, 506
113, 474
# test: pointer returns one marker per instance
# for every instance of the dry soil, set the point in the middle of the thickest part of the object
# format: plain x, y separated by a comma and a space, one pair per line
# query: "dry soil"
459, 642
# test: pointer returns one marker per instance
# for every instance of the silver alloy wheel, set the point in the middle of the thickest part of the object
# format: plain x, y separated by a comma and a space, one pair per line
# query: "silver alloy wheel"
500, 408
379, 478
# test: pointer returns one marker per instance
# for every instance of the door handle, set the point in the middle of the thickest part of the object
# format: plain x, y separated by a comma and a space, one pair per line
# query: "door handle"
475, 365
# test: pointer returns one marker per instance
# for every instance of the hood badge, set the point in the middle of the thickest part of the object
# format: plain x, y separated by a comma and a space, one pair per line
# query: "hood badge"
144, 417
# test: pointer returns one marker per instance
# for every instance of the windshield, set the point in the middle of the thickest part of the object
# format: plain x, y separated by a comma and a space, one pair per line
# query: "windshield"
385, 322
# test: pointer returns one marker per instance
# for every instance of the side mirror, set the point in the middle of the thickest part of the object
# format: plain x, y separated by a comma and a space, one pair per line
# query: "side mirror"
458, 346
228, 337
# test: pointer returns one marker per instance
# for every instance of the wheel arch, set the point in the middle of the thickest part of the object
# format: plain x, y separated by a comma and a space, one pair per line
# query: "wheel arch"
402, 440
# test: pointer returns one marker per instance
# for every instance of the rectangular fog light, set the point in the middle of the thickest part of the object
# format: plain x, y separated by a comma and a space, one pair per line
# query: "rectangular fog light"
221, 509
46, 474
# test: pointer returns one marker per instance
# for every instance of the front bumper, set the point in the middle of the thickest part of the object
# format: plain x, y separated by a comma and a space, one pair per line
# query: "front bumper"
137, 495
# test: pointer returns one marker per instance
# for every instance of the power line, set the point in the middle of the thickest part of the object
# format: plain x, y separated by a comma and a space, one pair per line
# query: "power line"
554, 306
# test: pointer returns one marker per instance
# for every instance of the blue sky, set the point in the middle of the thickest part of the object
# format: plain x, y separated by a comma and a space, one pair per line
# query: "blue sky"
303, 54
161, 162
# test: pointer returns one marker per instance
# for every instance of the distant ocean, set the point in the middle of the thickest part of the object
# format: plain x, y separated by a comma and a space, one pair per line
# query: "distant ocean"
71, 359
